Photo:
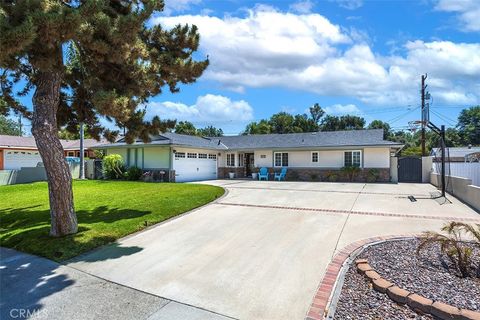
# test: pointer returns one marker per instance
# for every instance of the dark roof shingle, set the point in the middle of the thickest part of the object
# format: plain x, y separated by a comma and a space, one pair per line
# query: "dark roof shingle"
372, 137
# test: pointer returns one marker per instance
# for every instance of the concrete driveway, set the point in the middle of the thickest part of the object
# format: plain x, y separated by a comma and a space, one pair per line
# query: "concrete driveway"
261, 251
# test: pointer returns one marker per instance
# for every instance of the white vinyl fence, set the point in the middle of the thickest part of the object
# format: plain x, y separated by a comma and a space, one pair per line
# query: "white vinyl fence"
460, 169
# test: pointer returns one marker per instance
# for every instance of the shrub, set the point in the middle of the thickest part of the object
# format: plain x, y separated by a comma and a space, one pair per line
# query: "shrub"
333, 177
372, 175
133, 173
293, 175
113, 167
350, 172
314, 176
453, 246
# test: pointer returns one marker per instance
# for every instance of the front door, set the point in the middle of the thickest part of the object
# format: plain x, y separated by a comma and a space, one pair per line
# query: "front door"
249, 164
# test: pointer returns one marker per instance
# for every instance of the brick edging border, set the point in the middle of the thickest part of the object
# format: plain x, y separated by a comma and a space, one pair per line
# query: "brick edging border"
318, 307
415, 301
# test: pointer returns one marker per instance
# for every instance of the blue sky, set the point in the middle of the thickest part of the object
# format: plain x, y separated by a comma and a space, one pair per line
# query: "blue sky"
350, 56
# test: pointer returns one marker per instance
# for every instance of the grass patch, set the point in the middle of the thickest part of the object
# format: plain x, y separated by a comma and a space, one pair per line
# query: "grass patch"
106, 211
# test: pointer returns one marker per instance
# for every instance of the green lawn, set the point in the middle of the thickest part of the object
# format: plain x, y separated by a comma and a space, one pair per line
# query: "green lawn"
106, 211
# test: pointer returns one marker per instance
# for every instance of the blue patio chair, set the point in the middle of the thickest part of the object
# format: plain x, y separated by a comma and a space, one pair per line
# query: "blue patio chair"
263, 174
281, 175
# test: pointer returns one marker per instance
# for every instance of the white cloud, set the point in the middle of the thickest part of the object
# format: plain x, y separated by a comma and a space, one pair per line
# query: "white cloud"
468, 12
305, 6
207, 108
349, 4
268, 48
342, 109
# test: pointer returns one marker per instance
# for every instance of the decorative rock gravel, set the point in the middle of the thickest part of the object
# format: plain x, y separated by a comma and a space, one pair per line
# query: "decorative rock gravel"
430, 275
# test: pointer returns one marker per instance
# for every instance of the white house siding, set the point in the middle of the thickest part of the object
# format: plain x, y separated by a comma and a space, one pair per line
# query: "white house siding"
372, 158
376, 158
263, 162
222, 160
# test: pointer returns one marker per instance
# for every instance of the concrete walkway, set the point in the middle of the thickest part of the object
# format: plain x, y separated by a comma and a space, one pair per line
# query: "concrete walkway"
37, 288
261, 251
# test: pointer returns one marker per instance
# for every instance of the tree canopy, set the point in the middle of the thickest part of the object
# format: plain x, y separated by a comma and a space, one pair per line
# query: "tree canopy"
186, 127
9, 127
88, 60
469, 125
284, 122
109, 61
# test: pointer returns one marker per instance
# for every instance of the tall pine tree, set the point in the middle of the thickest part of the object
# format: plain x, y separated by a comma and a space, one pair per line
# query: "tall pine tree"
84, 59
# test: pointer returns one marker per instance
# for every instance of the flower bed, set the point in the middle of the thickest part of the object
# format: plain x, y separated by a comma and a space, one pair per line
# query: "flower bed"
428, 274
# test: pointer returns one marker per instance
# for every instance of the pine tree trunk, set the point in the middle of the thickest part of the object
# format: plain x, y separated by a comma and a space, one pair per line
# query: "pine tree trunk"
44, 128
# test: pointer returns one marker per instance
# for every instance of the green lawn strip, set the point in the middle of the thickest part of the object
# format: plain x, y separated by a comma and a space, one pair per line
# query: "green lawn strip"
106, 211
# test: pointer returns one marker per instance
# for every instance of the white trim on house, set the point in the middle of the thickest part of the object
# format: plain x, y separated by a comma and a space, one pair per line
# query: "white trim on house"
230, 160
283, 163
360, 162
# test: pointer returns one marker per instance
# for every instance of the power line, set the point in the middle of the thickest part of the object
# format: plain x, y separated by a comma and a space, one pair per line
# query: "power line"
444, 118
396, 118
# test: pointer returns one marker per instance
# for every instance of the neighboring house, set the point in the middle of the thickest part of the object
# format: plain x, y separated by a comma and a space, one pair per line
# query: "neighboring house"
458, 154
17, 152
308, 156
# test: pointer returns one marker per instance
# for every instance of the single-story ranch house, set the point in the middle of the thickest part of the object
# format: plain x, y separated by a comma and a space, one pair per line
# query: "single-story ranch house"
17, 152
308, 156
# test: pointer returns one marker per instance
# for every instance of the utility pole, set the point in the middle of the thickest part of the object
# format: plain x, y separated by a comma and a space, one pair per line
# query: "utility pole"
424, 77
20, 124
82, 151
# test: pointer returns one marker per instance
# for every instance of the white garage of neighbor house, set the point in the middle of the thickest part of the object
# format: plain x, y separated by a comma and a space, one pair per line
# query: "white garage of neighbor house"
18, 152
311, 156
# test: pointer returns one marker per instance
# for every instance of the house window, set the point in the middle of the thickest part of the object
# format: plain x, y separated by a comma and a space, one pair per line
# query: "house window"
240, 159
263, 156
179, 155
230, 159
191, 155
212, 156
281, 159
71, 154
314, 156
352, 159
202, 156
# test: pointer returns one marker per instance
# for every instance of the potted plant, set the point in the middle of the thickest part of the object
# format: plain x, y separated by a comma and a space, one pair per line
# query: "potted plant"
254, 174
231, 175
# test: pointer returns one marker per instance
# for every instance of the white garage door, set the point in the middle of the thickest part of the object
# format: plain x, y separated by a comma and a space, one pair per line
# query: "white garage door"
192, 166
16, 159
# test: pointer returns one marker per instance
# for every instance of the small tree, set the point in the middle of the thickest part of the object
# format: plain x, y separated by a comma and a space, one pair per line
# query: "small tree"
82, 59
454, 246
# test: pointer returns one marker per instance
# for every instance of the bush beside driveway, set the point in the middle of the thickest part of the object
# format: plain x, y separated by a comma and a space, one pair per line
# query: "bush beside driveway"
106, 210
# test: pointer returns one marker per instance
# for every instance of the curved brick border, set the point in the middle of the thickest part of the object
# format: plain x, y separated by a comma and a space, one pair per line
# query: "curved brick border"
318, 308
415, 301
326, 287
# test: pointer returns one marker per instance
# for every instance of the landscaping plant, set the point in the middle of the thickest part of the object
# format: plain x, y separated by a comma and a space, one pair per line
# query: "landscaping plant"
332, 177
113, 167
133, 173
454, 246
372, 175
351, 172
